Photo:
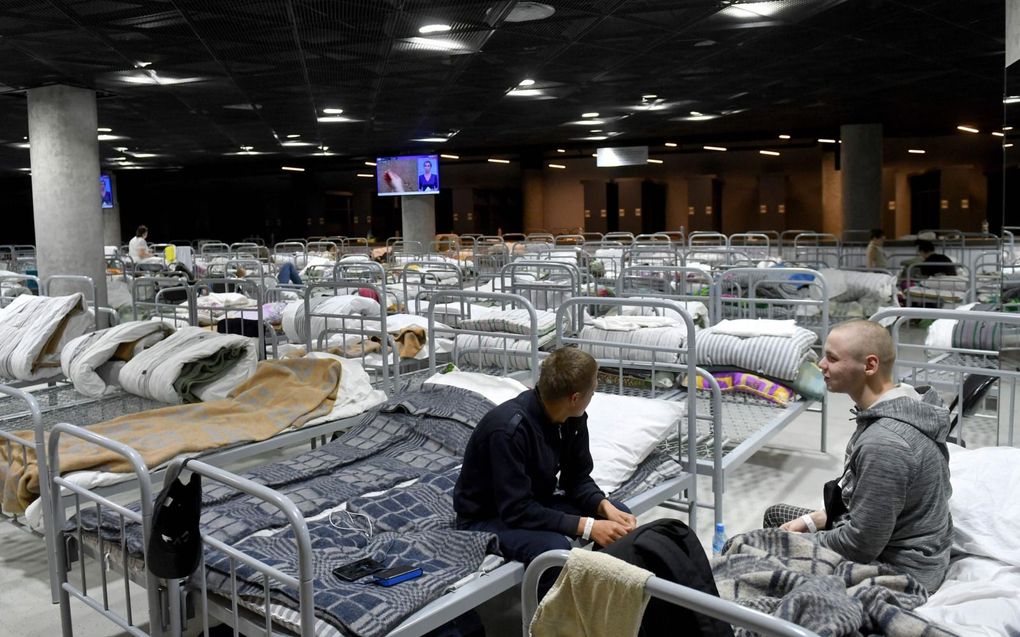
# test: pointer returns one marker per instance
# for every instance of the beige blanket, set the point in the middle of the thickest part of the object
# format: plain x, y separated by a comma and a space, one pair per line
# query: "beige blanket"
281, 394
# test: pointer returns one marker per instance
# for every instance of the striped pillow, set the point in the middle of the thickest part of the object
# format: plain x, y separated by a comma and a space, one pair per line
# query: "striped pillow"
775, 356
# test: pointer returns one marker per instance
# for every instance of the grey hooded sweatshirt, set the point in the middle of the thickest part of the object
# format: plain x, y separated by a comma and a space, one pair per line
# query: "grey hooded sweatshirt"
896, 488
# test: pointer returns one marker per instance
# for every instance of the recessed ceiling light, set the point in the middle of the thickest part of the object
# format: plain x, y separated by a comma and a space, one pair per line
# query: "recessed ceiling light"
826, 140
295, 169
431, 140
770, 153
525, 92
493, 160
437, 44
1010, 145
526, 82
445, 156
561, 150
323, 148
718, 148
594, 155
366, 175
294, 144
595, 130
586, 122
967, 129
104, 137
120, 148
700, 117
293, 136
1007, 128
784, 137
752, 10
527, 11
104, 130
593, 138
246, 148
670, 144
1012, 99
370, 163
142, 65
335, 119
589, 114
649, 97
915, 151
695, 114
22, 145
434, 28
998, 134
654, 161
333, 111
560, 166
144, 155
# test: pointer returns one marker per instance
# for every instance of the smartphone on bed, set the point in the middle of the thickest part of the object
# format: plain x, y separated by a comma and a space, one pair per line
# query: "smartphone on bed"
397, 574
357, 569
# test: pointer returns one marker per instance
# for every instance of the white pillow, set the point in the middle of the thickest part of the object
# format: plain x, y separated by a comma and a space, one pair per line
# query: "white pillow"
497, 389
986, 502
623, 430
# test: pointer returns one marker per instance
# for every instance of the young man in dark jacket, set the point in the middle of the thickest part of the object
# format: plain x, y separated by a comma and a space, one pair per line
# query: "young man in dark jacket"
892, 503
508, 484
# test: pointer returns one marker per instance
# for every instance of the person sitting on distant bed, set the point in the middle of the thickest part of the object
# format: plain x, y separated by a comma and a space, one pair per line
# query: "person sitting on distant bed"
527, 468
891, 503
138, 249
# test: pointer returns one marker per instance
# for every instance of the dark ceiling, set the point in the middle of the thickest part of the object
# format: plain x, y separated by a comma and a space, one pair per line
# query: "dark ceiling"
193, 80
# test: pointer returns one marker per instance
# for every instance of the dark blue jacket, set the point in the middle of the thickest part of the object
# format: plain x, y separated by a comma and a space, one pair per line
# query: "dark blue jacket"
510, 468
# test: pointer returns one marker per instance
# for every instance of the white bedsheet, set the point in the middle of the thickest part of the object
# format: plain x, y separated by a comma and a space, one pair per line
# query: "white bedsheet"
980, 598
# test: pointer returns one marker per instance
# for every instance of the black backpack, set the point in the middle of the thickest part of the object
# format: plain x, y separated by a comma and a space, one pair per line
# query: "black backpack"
672, 551
175, 543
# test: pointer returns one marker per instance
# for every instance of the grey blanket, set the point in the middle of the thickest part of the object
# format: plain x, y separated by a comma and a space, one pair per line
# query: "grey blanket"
790, 576
421, 433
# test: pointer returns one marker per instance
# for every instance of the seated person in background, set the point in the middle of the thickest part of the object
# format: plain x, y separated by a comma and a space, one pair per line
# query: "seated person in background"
508, 484
891, 503
930, 263
138, 249
877, 257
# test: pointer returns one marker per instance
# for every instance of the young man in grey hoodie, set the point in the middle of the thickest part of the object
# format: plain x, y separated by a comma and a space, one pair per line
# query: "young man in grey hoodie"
893, 500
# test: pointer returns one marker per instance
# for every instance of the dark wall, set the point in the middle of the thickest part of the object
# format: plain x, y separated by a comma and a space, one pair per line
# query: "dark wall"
16, 210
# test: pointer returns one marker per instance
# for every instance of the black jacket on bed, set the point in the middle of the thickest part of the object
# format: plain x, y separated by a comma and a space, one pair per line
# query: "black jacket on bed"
511, 463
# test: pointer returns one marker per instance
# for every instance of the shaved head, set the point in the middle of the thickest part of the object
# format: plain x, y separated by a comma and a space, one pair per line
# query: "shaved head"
860, 339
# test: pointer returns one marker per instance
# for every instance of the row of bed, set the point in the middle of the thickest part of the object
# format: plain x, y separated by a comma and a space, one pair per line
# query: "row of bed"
394, 464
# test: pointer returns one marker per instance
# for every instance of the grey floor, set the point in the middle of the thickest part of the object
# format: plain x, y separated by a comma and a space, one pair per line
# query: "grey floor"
791, 469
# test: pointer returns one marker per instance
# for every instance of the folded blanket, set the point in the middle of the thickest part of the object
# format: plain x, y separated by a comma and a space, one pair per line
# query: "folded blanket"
776, 356
746, 328
633, 323
33, 329
83, 358
190, 365
790, 576
596, 595
281, 394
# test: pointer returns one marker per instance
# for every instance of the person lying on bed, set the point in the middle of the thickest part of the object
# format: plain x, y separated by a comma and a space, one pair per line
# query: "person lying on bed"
892, 502
508, 484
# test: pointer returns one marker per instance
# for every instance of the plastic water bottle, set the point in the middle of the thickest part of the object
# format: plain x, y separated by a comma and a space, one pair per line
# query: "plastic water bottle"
719, 539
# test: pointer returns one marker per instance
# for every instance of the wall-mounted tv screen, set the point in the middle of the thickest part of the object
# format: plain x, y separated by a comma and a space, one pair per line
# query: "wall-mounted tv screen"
407, 175
106, 191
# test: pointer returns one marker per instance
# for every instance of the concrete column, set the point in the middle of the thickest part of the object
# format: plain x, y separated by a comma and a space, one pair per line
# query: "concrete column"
111, 219
66, 195
533, 195
861, 168
418, 217
832, 199
1012, 31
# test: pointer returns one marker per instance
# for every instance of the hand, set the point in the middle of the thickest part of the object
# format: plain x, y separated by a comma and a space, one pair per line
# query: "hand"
394, 180
605, 532
610, 512
798, 525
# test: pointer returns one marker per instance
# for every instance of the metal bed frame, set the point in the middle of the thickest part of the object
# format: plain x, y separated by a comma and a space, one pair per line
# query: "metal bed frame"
946, 368
167, 610
663, 589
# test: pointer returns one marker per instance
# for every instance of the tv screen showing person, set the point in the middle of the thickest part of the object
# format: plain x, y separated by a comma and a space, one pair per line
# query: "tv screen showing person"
428, 181
407, 175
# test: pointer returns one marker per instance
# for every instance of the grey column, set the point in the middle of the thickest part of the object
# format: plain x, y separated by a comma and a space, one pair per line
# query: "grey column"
66, 198
418, 216
861, 169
